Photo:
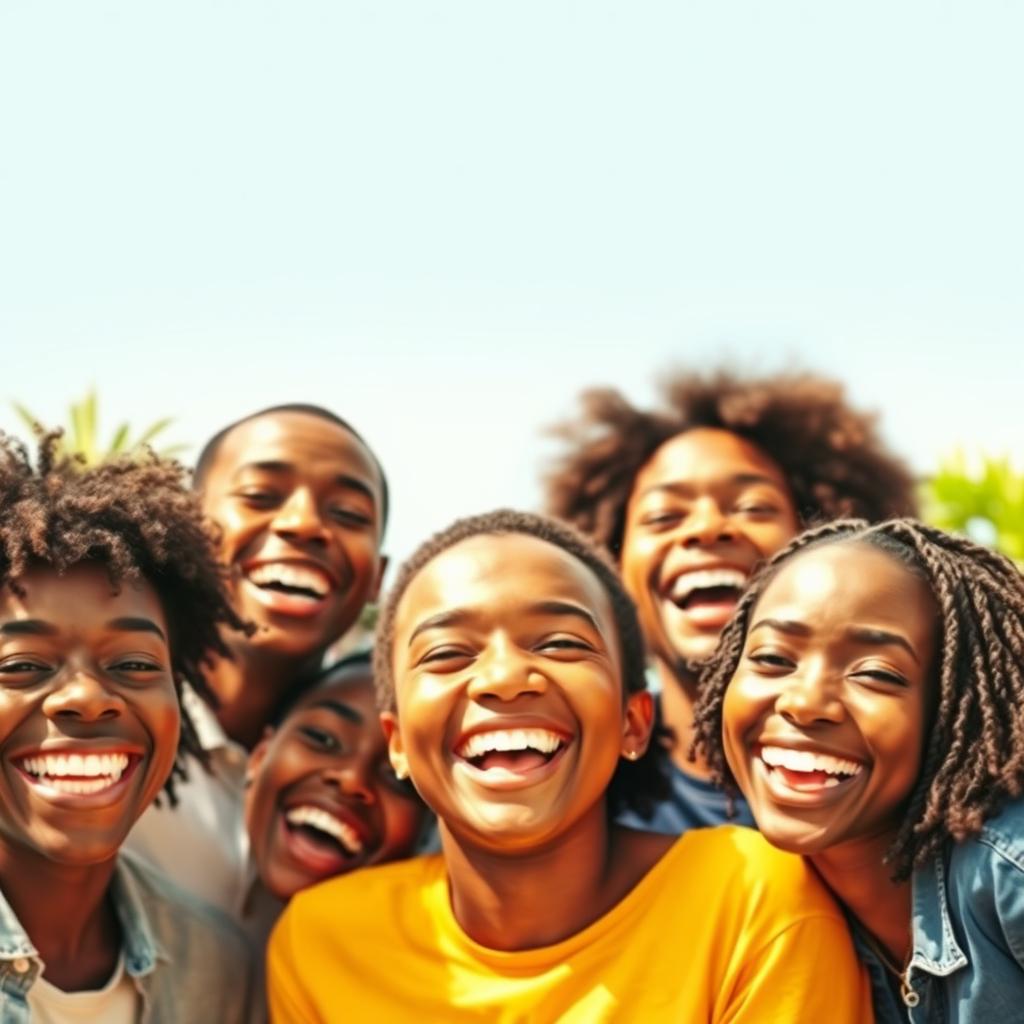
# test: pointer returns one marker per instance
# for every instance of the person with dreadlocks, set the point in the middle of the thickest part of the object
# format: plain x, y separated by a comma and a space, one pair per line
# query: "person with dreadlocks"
690, 499
110, 597
510, 671
867, 699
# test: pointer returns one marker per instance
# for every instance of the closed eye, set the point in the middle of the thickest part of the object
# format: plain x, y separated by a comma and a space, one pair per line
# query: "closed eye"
321, 739
564, 643
882, 676
770, 660
258, 498
23, 665
136, 665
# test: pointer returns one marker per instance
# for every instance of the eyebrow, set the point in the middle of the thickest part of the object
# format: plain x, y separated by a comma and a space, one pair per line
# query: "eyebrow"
861, 634
136, 624
343, 480
340, 709
458, 616
37, 627
685, 490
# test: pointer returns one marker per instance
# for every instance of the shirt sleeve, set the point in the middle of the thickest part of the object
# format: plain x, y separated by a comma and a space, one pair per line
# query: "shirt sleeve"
1008, 897
807, 972
286, 999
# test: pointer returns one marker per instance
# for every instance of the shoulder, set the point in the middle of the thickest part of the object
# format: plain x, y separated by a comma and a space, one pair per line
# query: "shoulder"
1002, 835
178, 918
752, 872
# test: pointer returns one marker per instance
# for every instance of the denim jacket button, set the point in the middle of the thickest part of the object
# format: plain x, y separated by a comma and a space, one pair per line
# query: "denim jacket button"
21, 965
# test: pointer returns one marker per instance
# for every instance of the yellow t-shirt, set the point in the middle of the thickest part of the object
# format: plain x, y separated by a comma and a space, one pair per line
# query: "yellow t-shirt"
723, 928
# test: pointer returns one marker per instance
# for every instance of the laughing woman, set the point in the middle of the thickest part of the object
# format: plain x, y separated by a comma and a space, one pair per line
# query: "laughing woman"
868, 700
510, 670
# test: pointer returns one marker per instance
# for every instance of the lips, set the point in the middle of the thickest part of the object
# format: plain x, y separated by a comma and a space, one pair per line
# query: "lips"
511, 756
75, 777
294, 587
707, 595
806, 775
324, 840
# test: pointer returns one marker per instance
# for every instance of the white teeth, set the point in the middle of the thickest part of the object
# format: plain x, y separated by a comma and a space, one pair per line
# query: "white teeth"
324, 821
703, 578
288, 574
107, 768
542, 740
807, 761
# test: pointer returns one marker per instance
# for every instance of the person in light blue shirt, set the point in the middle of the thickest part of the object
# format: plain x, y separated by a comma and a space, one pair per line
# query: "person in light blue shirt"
690, 499
868, 700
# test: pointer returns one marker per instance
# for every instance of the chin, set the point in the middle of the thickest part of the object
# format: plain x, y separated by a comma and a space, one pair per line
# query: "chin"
794, 836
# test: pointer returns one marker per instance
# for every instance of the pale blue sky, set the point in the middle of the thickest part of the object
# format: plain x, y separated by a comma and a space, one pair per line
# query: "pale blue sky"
445, 219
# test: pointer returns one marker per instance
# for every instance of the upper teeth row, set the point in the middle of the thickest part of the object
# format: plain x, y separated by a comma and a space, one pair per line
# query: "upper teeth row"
700, 579
544, 740
290, 576
324, 821
56, 765
806, 761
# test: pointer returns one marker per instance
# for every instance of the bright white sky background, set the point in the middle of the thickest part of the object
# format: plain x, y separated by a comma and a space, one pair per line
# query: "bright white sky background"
444, 219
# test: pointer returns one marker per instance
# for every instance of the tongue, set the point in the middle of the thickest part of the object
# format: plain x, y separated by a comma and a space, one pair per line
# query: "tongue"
319, 852
804, 780
512, 760
712, 606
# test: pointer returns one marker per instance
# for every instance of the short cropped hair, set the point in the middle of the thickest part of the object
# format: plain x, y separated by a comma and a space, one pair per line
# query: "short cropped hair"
974, 756
210, 449
830, 454
139, 520
636, 784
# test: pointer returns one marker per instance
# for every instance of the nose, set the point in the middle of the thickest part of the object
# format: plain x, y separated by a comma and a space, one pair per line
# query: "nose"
354, 781
505, 673
298, 518
82, 695
705, 524
810, 698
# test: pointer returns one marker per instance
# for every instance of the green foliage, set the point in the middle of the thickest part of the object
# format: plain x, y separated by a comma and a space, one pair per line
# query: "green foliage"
82, 436
985, 502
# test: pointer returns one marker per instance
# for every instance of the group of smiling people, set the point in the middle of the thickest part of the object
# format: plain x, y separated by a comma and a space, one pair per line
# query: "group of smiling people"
725, 736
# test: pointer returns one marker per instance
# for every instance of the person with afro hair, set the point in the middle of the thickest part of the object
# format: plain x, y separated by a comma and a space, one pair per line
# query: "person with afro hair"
691, 498
110, 598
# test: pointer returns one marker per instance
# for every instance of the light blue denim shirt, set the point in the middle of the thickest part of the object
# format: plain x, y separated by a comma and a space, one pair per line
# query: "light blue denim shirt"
967, 965
187, 961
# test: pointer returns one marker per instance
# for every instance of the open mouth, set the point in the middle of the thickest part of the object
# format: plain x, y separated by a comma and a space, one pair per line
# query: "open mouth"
511, 753
290, 587
806, 771
77, 774
708, 596
324, 842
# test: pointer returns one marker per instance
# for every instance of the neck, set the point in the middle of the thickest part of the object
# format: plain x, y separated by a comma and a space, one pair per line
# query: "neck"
73, 926
861, 881
678, 699
250, 687
515, 901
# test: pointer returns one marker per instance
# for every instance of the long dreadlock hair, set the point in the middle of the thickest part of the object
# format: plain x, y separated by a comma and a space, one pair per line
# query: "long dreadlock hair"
138, 519
974, 755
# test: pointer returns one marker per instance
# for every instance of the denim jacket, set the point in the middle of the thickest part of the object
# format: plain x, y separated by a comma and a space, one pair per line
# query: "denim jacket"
967, 964
187, 961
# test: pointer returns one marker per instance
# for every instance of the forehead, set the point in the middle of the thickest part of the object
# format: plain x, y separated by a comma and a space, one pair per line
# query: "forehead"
705, 455
353, 687
293, 438
502, 573
80, 597
848, 582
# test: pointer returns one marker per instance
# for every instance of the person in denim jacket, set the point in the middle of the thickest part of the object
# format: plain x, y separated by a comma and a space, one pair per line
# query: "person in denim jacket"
109, 598
868, 699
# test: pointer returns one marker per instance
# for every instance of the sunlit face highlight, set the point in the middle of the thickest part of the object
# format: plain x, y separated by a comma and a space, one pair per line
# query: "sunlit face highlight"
705, 510
510, 710
826, 716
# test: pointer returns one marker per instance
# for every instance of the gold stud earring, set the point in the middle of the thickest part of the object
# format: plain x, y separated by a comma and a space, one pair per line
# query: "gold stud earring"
401, 773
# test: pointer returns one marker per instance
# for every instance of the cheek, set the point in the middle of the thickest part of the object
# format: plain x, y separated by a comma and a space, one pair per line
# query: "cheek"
896, 739
742, 708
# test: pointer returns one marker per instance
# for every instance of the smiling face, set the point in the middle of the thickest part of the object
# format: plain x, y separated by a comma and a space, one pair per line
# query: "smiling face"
324, 799
510, 712
297, 500
89, 718
826, 716
705, 509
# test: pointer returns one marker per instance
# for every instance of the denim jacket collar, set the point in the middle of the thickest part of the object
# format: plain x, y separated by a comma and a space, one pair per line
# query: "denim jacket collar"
935, 947
141, 949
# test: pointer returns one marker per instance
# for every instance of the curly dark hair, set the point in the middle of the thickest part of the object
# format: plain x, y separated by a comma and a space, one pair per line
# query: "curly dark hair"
138, 519
636, 785
830, 454
974, 756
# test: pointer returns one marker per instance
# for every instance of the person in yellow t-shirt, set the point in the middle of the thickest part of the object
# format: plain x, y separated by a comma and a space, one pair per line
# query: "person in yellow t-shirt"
510, 667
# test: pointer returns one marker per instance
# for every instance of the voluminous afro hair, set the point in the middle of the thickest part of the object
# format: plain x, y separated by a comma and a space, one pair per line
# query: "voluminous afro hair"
974, 755
831, 455
138, 519
636, 784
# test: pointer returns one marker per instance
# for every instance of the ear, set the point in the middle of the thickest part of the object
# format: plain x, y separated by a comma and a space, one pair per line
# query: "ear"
258, 755
637, 723
396, 748
382, 568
